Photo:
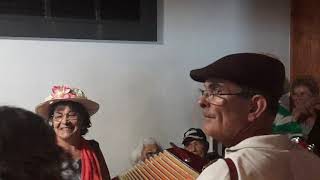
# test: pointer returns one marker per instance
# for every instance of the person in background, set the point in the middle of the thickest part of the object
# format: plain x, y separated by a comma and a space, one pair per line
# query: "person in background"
195, 141
284, 122
305, 107
28, 149
239, 101
145, 149
68, 111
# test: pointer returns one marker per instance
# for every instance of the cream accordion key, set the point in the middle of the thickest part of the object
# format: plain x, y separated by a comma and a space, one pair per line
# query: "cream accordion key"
174, 163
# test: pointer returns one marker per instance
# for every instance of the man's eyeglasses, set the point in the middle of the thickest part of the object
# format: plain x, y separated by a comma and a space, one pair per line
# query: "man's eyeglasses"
71, 116
214, 96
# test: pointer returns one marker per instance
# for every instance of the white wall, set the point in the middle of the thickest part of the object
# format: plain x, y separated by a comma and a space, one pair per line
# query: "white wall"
144, 89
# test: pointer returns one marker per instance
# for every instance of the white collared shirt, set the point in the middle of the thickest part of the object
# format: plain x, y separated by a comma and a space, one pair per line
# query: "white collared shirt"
268, 157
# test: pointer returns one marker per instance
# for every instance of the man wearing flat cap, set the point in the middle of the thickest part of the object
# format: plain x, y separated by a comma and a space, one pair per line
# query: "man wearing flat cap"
239, 101
195, 141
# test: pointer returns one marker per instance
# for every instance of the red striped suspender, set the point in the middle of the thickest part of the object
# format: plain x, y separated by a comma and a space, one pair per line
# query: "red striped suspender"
232, 169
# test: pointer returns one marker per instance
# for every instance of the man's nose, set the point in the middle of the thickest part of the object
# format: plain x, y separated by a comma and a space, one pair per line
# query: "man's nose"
192, 147
203, 102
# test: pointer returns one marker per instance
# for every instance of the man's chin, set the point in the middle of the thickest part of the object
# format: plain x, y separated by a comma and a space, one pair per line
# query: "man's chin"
207, 131
207, 126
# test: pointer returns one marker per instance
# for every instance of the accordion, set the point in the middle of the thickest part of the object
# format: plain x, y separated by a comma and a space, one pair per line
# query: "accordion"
173, 163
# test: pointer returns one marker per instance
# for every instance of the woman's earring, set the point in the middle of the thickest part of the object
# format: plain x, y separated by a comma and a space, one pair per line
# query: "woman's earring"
50, 123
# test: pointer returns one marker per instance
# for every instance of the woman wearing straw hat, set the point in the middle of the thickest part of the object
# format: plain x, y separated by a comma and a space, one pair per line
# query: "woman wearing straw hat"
68, 112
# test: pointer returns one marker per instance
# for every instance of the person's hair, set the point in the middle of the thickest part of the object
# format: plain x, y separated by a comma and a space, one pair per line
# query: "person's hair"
136, 153
307, 81
81, 111
272, 102
28, 147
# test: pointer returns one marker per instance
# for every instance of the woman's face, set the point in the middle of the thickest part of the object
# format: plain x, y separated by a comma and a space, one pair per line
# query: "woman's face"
66, 123
301, 94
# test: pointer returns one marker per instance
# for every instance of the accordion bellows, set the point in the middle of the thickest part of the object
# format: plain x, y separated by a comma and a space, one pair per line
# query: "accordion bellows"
165, 165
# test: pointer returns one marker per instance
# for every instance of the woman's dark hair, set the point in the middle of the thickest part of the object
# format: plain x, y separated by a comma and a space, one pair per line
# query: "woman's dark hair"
83, 114
28, 147
307, 81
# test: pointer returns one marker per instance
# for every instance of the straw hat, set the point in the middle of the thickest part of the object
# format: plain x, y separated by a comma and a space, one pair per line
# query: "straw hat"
65, 93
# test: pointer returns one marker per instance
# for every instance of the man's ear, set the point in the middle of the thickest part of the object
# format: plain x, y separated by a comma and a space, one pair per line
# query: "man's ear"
257, 107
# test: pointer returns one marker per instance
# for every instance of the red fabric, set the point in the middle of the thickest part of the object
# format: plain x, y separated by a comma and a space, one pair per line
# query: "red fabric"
91, 169
232, 169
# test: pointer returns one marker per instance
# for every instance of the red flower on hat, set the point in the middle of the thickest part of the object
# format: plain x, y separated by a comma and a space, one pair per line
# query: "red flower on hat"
65, 92
61, 92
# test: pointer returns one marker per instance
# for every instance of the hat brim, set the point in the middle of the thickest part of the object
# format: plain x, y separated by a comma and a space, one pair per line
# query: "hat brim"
203, 74
43, 108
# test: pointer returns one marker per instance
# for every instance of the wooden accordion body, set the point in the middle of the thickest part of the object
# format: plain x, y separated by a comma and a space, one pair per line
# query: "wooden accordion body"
174, 163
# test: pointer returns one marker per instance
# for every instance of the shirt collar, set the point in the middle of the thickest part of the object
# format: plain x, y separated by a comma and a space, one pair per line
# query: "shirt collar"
278, 141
